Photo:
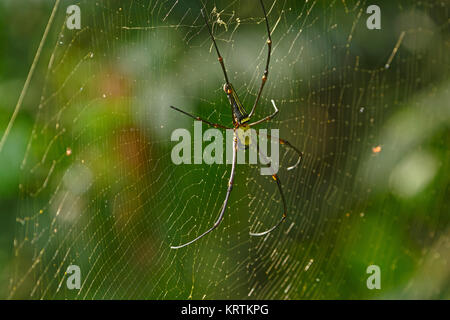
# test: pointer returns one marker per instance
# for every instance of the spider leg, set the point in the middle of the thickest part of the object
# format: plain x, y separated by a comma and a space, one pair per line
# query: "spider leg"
224, 206
215, 125
266, 118
300, 154
287, 144
283, 217
219, 57
266, 70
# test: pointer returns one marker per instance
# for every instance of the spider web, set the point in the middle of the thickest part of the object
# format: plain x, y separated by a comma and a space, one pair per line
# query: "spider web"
98, 188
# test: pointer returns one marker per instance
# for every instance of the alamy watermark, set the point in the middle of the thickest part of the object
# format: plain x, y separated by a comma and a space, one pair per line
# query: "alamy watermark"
374, 280
374, 20
73, 17
250, 141
74, 277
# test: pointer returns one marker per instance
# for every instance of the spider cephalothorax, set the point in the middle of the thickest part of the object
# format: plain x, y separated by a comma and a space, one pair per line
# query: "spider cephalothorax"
240, 116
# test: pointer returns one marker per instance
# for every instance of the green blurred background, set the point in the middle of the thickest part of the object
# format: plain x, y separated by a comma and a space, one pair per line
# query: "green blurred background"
87, 177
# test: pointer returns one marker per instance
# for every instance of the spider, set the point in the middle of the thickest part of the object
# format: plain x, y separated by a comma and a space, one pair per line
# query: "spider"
241, 119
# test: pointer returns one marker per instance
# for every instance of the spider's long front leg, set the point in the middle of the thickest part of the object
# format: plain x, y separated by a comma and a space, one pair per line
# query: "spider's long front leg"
283, 217
266, 70
224, 206
219, 57
215, 125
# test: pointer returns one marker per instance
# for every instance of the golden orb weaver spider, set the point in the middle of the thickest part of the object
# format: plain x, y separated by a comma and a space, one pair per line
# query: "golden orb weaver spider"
241, 119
